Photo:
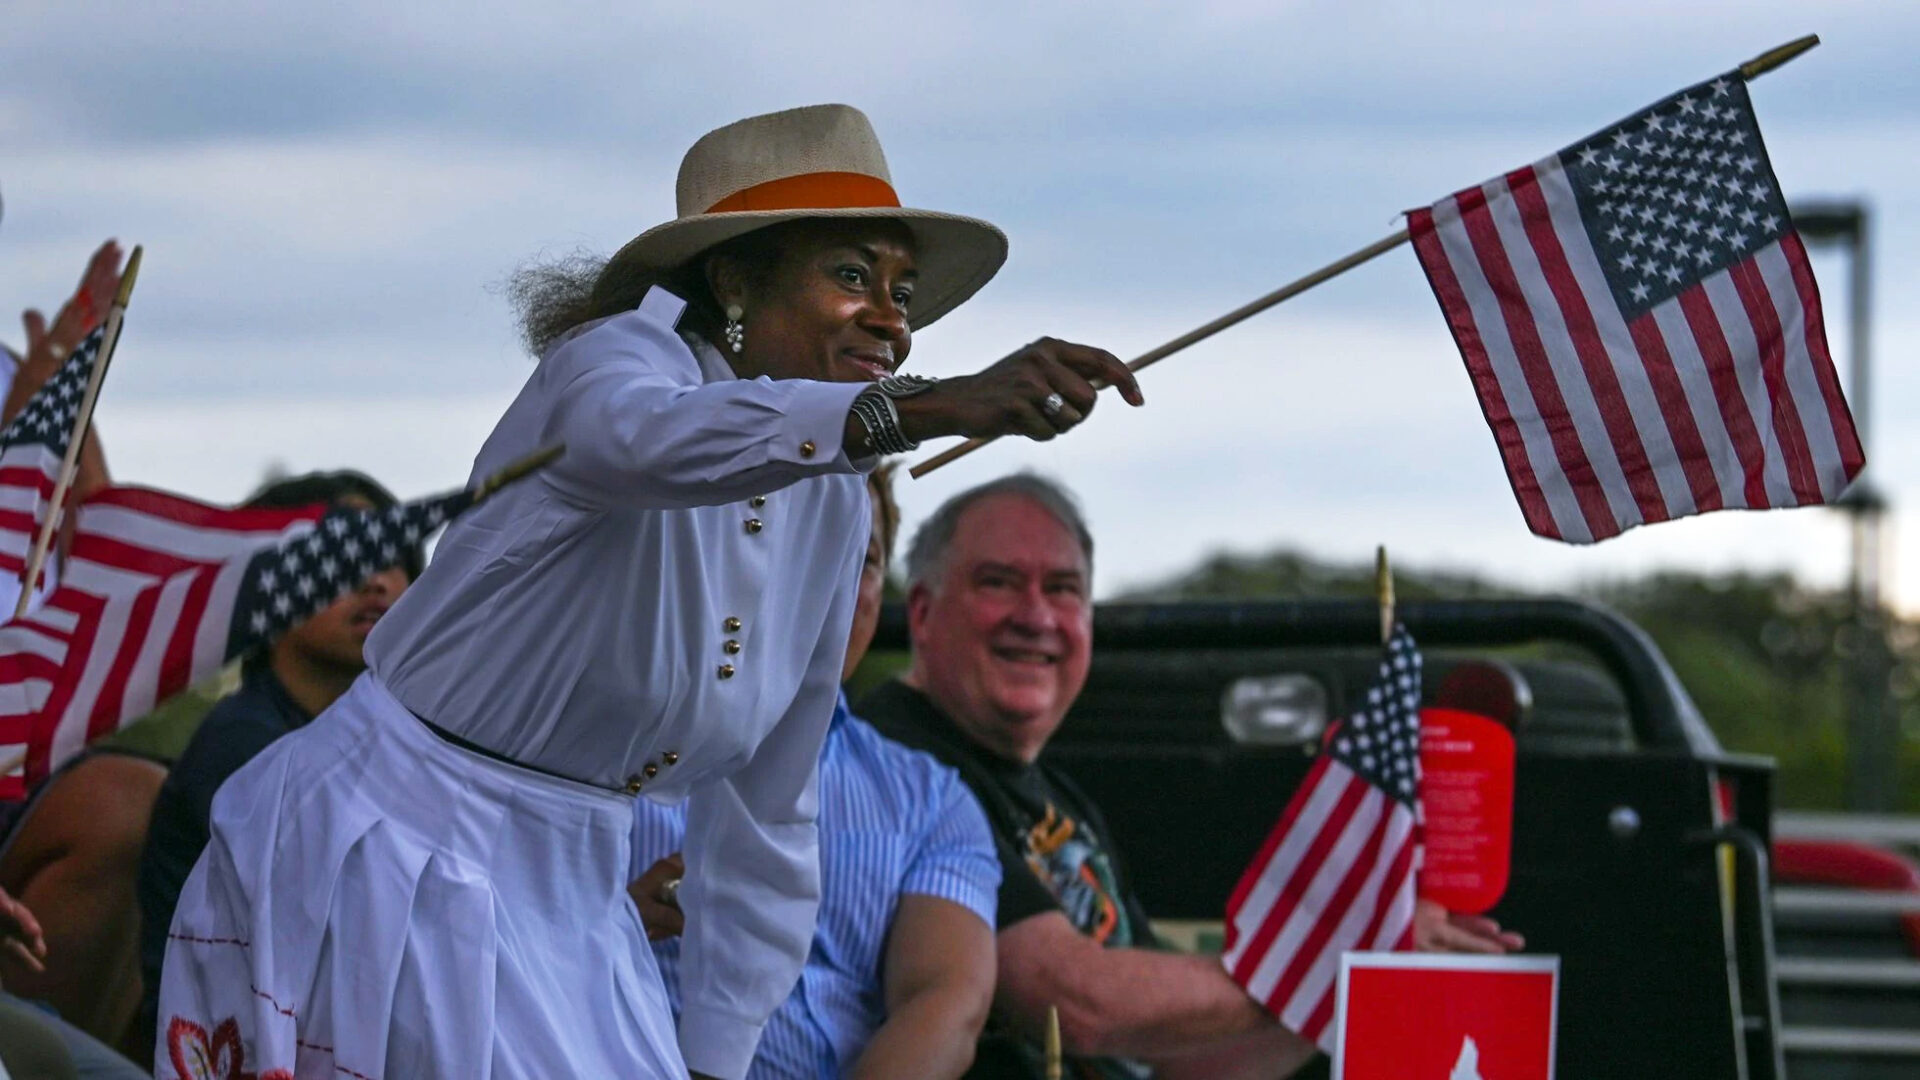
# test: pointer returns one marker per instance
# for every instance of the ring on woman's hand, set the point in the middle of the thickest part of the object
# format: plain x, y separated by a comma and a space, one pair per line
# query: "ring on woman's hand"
670, 892
1052, 404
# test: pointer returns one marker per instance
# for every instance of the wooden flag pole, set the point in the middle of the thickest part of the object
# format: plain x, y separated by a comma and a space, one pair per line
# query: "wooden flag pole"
1237, 315
533, 462
1757, 66
1054, 1067
82, 420
1383, 590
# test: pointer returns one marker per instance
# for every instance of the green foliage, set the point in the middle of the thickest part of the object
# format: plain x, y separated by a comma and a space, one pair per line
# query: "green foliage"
1288, 575
1766, 659
165, 732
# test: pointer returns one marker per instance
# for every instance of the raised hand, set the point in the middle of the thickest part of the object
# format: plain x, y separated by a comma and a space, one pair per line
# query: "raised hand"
48, 345
1044, 389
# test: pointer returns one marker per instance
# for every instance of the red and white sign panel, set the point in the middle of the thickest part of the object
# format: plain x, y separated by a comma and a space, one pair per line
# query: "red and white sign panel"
1466, 792
1403, 1016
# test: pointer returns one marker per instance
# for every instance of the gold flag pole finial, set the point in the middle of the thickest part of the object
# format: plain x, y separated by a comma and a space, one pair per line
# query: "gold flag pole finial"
1053, 1043
526, 466
1383, 589
128, 276
1773, 58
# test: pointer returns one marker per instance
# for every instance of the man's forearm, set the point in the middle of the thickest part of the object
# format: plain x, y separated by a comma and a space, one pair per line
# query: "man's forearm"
931, 1035
1119, 1002
1174, 1005
1262, 1055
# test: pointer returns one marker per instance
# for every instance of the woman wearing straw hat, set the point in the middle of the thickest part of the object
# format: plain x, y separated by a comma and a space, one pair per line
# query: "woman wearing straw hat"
428, 880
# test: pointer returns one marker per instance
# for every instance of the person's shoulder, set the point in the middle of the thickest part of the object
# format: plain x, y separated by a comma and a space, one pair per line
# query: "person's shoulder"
897, 711
906, 717
646, 336
234, 730
916, 779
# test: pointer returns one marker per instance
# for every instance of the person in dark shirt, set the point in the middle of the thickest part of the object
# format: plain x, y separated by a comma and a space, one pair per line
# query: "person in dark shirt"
1001, 626
1044, 826
1002, 623
281, 689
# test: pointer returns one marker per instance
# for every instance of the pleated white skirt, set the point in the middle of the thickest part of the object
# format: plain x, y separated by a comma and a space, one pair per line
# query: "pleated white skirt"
377, 903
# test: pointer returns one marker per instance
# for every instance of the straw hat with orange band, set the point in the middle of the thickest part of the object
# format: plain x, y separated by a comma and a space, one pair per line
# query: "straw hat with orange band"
821, 161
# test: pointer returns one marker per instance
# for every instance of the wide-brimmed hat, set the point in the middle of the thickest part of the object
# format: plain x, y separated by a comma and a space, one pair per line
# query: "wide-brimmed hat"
822, 161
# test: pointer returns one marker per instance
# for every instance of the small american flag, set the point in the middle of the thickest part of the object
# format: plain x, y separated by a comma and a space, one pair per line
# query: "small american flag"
1336, 875
31, 451
160, 592
1642, 326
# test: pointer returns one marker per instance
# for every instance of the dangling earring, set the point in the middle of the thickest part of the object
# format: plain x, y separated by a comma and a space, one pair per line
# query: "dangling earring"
735, 333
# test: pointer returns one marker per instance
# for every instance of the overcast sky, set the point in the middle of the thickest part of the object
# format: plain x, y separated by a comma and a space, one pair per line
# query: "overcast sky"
331, 195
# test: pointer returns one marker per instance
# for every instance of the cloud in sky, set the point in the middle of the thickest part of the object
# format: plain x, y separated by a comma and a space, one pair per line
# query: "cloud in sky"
330, 197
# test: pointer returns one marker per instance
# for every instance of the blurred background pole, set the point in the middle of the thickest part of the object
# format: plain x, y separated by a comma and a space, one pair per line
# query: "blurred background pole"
1873, 723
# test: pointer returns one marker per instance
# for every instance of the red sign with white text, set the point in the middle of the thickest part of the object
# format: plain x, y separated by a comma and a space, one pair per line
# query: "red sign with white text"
1466, 793
1431, 1016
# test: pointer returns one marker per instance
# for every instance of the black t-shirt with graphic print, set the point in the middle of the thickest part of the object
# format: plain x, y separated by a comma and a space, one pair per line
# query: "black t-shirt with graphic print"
1054, 856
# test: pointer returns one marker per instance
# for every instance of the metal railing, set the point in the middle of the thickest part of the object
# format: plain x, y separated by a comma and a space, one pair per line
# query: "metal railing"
1894, 830
1871, 974
1850, 1042
1825, 900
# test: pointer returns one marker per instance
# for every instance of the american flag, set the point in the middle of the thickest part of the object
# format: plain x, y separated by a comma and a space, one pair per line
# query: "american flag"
1336, 875
160, 592
1641, 324
32, 447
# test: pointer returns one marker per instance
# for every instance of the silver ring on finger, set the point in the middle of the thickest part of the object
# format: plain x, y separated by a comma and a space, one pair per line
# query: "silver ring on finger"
670, 892
1052, 404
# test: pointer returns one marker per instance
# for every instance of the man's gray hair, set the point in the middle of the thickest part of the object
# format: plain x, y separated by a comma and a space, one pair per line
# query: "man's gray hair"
926, 558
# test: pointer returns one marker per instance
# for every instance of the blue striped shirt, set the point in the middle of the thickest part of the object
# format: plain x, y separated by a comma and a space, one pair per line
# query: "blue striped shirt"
892, 821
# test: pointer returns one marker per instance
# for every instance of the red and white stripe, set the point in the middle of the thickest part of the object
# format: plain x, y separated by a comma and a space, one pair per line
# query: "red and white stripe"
27, 474
1336, 875
143, 611
1721, 397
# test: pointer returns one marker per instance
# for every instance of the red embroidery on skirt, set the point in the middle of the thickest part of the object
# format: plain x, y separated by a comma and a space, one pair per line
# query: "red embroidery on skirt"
269, 999
328, 1050
224, 1047
196, 1056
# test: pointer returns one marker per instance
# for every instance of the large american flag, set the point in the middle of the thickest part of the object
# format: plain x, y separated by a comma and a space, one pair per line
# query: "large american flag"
159, 592
1642, 326
1337, 873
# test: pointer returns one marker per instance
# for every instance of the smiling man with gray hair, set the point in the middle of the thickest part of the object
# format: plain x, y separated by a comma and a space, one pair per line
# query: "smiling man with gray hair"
999, 609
